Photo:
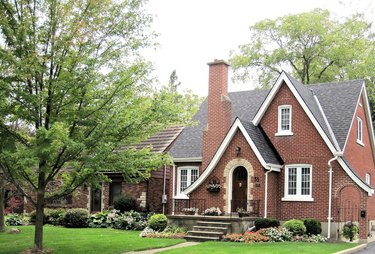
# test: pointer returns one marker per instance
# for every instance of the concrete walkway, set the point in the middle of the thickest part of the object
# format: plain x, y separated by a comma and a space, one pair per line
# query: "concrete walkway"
152, 251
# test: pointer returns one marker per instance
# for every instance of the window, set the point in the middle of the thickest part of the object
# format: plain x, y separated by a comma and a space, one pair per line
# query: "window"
368, 179
114, 191
359, 131
284, 120
298, 183
186, 176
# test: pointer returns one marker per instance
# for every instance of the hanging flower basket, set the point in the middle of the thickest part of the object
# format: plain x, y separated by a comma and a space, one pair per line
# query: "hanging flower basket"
213, 187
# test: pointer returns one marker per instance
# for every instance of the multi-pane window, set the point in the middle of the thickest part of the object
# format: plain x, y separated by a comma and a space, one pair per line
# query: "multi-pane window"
298, 182
359, 131
186, 176
284, 120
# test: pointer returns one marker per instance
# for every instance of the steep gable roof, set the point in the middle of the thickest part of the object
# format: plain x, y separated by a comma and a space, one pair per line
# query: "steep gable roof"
256, 140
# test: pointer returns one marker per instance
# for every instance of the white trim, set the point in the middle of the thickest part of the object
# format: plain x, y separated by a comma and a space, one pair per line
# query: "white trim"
368, 178
180, 193
191, 159
263, 108
370, 127
298, 196
281, 132
355, 178
220, 151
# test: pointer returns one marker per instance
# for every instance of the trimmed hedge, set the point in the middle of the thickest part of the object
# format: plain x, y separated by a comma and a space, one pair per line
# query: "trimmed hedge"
313, 226
125, 203
76, 218
266, 223
158, 222
295, 226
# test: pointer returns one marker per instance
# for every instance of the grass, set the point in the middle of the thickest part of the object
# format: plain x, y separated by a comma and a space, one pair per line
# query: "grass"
262, 248
81, 240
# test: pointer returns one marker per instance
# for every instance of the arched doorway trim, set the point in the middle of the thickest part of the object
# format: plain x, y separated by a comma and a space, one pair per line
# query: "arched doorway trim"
228, 176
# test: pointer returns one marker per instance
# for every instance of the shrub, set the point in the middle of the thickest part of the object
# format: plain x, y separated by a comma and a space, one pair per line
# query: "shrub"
266, 223
99, 220
76, 218
54, 216
310, 239
233, 237
295, 226
14, 219
313, 226
175, 230
33, 217
168, 232
279, 234
158, 222
249, 237
125, 203
129, 221
350, 231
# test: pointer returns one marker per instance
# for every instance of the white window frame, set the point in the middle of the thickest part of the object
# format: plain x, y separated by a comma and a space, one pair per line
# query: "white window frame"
368, 178
189, 182
298, 196
280, 131
360, 131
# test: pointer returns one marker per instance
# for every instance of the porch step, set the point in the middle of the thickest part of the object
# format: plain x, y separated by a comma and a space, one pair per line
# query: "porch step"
211, 229
201, 238
208, 231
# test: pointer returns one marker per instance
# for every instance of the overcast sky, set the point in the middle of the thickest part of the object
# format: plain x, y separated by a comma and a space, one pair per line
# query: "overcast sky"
194, 32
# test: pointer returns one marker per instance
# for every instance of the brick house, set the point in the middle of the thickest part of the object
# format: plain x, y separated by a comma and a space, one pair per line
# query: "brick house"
290, 152
149, 193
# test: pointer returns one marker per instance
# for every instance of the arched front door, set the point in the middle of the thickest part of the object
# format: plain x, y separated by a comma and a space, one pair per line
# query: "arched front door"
239, 189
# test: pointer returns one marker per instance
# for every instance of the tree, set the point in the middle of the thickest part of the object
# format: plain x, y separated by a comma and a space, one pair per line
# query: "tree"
314, 46
76, 96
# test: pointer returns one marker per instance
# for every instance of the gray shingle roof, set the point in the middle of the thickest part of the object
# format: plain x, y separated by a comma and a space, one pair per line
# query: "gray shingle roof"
338, 101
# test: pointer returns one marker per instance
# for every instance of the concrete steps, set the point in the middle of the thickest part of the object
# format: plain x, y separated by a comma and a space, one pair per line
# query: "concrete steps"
208, 231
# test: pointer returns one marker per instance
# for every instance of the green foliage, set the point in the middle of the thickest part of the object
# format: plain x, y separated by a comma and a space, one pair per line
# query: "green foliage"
114, 219
76, 218
75, 93
313, 226
279, 234
266, 223
350, 231
125, 203
100, 220
314, 46
54, 216
14, 219
158, 222
295, 226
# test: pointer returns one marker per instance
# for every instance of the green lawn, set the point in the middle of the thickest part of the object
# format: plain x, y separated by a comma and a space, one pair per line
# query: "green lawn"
262, 248
85, 240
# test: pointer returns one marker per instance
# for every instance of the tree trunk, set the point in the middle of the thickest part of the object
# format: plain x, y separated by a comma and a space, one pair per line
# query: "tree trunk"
2, 205
38, 237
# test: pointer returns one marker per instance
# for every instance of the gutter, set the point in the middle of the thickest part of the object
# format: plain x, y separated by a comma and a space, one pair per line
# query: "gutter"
266, 192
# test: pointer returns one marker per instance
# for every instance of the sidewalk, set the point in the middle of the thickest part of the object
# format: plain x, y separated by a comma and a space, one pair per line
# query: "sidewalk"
152, 251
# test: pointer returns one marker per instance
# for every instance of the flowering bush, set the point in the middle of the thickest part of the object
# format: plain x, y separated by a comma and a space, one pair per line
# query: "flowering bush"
168, 232
213, 211
233, 237
276, 234
114, 219
14, 219
310, 239
249, 237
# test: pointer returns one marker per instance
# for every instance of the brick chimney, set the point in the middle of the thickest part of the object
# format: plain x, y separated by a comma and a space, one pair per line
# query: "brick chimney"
219, 110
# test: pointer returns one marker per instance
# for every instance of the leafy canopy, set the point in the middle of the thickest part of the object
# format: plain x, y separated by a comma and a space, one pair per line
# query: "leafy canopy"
313, 46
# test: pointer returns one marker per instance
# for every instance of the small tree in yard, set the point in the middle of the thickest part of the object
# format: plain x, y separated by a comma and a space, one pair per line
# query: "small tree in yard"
72, 80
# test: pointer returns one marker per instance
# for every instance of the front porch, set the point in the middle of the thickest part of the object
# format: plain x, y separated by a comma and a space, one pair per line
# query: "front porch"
197, 207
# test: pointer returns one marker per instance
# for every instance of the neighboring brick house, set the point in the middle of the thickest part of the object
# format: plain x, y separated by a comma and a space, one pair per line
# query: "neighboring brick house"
149, 193
290, 152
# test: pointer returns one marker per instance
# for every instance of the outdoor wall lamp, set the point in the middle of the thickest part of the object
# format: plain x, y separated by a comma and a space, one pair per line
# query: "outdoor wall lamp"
238, 151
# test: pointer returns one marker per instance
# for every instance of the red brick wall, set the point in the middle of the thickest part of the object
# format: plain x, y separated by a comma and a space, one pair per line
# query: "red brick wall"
219, 110
360, 157
217, 199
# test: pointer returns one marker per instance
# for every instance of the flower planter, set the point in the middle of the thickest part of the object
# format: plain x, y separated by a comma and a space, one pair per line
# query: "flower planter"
211, 190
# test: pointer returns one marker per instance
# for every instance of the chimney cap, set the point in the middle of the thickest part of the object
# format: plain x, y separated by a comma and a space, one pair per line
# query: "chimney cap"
217, 62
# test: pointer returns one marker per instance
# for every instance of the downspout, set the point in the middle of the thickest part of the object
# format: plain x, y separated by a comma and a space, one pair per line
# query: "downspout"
329, 218
266, 193
173, 187
330, 171
164, 183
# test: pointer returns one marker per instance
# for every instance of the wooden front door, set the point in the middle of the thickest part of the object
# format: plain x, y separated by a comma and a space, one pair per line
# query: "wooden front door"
239, 189
96, 200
